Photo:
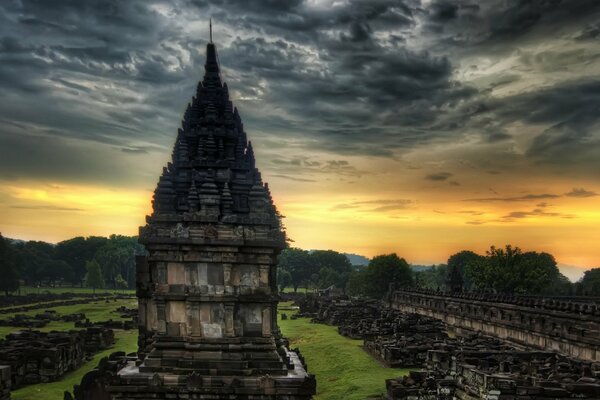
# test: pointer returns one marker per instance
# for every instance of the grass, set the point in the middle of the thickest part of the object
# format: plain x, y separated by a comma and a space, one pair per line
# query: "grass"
24, 290
97, 311
126, 341
343, 369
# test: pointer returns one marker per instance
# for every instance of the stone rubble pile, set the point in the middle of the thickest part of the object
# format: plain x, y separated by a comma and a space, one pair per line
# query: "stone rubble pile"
40, 357
467, 367
465, 372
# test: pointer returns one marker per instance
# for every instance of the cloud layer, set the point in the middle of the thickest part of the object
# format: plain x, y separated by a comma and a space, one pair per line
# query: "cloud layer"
441, 103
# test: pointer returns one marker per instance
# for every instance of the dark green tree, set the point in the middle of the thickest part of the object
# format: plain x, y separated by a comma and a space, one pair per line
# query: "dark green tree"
384, 270
9, 279
121, 283
356, 285
299, 264
53, 271
117, 257
510, 270
76, 252
334, 268
590, 282
31, 260
284, 279
431, 278
461, 261
93, 277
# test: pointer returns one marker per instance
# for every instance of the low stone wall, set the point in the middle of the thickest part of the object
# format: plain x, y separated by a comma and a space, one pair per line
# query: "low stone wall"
568, 327
5, 383
40, 357
40, 320
45, 304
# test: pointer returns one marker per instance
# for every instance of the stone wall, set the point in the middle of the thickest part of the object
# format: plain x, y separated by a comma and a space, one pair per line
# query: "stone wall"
41, 357
5, 383
570, 327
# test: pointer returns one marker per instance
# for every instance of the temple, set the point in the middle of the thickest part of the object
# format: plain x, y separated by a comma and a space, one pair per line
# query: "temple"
207, 288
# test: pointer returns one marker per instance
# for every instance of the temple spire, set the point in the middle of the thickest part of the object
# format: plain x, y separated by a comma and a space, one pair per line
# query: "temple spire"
210, 28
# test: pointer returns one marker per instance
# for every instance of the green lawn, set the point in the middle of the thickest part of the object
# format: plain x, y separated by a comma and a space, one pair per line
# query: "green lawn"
126, 341
343, 369
24, 290
97, 311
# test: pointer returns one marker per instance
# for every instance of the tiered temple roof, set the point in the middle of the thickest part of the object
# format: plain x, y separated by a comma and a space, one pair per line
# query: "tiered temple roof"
212, 173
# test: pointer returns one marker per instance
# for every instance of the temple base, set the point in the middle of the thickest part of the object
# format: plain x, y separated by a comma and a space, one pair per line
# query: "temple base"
131, 383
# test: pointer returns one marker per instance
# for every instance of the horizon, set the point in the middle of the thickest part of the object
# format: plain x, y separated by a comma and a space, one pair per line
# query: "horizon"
421, 131
572, 272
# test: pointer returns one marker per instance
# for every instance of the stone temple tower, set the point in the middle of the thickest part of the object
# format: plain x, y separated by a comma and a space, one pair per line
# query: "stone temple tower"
207, 292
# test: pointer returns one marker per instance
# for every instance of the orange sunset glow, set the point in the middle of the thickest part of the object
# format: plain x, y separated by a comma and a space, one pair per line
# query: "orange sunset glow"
377, 132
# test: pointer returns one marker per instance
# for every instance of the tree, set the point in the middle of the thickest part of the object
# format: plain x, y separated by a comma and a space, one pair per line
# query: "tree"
299, 264
431, 278
382, 271
334, 268
121, 283
510, 270
284, 279
55, 270
76, 252
461, 261
31, 259
10, 279
93, 277
590, 282
117, 256
356, 283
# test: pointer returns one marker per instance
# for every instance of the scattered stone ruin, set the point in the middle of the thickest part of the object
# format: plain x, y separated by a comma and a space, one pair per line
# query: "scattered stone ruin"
57, 303
569, 326
40, 320
466, 366
207, 291
41, 357
465, 372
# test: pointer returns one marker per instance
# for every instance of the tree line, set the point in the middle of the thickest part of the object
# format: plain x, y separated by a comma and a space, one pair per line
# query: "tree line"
109, 262
500, 270
93, 261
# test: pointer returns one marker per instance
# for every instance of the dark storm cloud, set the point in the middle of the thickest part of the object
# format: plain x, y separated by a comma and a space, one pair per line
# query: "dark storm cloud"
440, 176
581, 192
536, 212
526, 197
376, 205
338, 78
308, 166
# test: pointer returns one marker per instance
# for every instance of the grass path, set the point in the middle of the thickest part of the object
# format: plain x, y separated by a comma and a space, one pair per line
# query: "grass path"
343, 369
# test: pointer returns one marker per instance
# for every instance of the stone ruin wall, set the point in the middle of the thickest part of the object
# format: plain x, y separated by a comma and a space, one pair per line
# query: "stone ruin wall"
570, 327
33, 357
185, 279
465, 366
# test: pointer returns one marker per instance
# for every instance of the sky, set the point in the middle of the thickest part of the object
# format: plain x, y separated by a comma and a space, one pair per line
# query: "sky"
416, 127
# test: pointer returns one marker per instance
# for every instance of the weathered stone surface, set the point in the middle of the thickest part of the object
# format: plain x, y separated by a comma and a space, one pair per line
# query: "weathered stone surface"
206, 290
569, 326
5, 382
39, 357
